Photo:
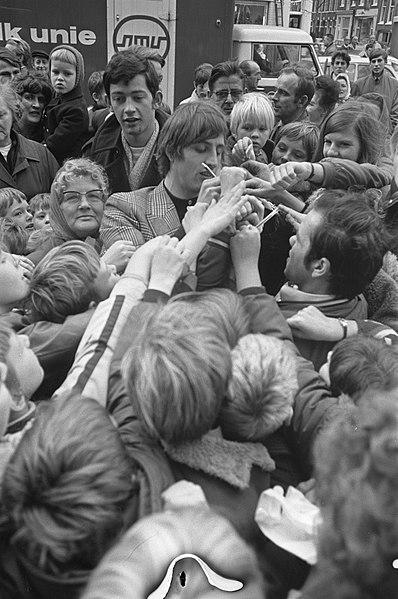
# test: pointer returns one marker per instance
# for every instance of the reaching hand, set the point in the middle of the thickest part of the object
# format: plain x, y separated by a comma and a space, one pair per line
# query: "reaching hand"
292, 216
245, 247
140, 262
311, 323
243, 150
119, 254
222, 213
168, 262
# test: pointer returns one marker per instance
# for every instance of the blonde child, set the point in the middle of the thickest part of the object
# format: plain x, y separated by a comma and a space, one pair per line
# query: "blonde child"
252, 120
66, 115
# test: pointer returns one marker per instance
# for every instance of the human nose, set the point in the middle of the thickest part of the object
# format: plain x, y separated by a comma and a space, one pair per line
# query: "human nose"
35, 103
332, 151
84, 201
129, 106
29, 217
292, 240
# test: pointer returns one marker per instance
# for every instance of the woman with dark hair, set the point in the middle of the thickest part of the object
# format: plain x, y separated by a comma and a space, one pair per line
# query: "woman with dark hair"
24, 164
35, 93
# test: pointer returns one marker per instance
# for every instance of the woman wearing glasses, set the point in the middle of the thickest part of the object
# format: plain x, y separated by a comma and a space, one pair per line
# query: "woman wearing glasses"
78, 195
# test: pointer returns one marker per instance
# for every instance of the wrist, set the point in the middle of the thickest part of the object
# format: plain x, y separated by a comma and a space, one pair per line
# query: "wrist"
162, 283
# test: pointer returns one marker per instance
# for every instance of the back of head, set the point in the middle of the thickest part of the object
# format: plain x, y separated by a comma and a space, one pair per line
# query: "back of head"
363, 363
354, 116
189, 124
254, 108
261, 390
141, 559
202, 73
62, 283
124, 66
357, 485
95, 82
176, 385
228, 68
22, 50
352, 237
67, 485
145, 52
72, 56
328, 92
222, 309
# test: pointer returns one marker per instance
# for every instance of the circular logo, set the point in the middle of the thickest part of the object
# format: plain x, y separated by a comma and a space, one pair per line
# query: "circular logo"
142, 30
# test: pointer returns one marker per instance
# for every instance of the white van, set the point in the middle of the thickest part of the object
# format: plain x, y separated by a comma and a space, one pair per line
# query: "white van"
273, 48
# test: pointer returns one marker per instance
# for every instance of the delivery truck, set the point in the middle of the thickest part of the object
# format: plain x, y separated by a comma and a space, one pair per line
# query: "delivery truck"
185, 32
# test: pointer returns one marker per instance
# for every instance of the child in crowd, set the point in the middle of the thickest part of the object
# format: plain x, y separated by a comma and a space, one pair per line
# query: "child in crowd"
261, 391
67, 280
66, 493
100, 109
252, 119
66, 115
20, 376
40, 209
14, 238
362, 363
295, 142
14, 208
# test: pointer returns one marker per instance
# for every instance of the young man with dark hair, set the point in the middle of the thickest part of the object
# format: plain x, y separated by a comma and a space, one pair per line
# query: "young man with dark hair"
380, 82
335, 254
340, 62
126, 144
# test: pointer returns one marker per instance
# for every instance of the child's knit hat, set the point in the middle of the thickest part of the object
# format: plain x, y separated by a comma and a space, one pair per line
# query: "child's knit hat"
79, 61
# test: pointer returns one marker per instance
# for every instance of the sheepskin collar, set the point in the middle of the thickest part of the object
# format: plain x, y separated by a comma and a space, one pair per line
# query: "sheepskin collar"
229, 461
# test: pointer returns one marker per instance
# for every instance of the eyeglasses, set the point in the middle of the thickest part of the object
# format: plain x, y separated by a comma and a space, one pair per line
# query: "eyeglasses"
235, 94
74, 198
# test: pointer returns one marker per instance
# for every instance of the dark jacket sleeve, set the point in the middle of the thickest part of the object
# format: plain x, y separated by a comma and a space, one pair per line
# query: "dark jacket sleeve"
71, 126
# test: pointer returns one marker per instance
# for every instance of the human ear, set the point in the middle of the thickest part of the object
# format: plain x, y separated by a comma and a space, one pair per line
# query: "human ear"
303, 101
320, 268
157, 100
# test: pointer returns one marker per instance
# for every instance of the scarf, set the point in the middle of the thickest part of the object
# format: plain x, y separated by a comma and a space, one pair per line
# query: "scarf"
137, 171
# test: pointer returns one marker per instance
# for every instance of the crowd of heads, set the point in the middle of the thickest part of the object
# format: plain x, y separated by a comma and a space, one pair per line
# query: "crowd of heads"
198, 366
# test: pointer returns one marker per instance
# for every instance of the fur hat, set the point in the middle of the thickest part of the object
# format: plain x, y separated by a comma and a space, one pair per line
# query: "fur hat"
79, 61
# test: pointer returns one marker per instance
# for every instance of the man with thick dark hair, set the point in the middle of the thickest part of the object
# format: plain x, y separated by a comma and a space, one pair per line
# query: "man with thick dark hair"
336, 252
380, 82
126, 143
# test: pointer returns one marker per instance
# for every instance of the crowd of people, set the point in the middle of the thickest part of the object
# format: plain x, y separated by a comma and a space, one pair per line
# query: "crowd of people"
197, 305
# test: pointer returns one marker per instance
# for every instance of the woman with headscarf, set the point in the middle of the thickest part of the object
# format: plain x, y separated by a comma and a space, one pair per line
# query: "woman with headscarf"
77, 200
345, 87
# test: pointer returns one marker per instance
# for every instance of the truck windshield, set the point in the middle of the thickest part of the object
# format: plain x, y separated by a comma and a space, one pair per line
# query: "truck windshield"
272, 58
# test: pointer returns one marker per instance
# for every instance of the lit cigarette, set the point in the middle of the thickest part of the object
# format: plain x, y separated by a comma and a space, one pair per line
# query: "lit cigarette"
268, 217
209, 169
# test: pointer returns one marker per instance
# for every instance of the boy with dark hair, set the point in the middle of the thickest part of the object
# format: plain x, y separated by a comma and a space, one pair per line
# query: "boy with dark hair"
126, 143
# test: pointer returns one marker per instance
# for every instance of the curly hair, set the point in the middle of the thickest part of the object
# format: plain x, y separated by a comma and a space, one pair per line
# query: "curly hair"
12, 101
356, 469
261, 390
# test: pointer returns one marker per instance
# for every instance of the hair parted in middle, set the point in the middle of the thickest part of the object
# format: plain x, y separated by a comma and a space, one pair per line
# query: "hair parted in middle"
190, 123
